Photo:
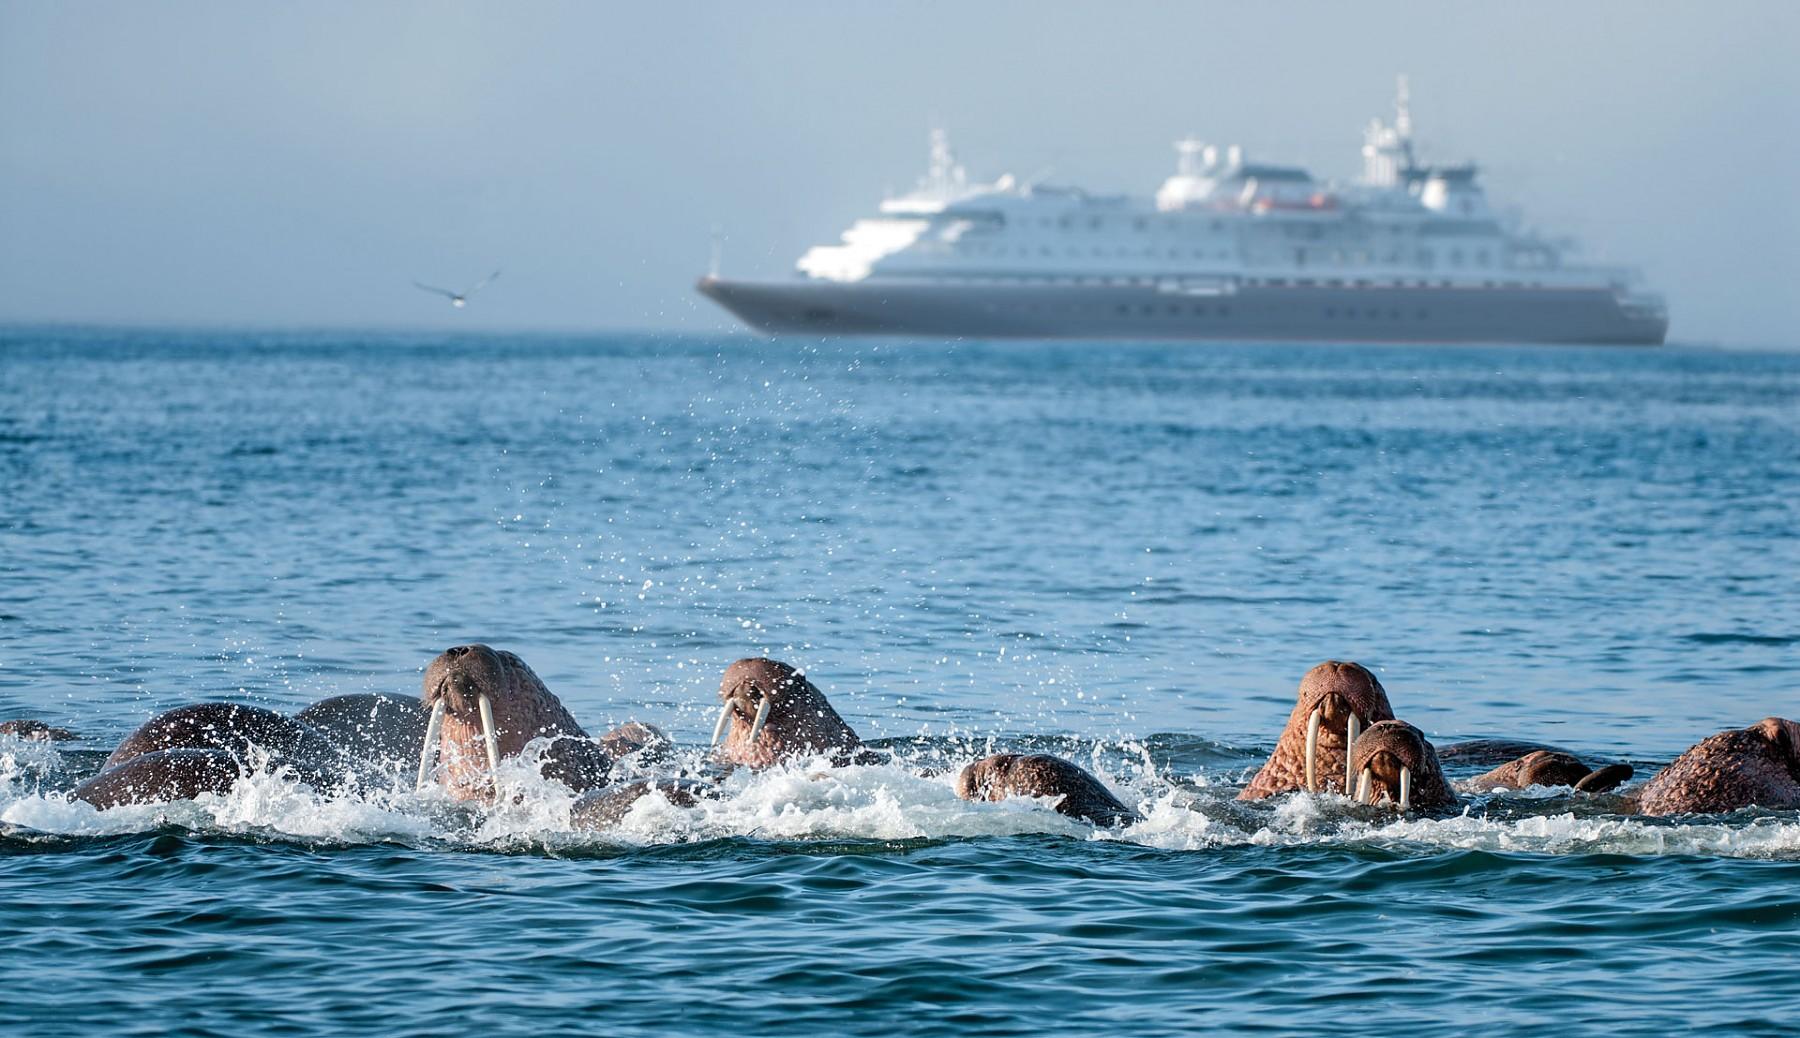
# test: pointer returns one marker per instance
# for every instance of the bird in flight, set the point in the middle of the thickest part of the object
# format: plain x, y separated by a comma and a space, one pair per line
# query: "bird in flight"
459, 299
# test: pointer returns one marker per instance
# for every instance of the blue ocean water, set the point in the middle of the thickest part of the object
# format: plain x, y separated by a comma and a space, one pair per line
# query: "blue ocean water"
1126, 553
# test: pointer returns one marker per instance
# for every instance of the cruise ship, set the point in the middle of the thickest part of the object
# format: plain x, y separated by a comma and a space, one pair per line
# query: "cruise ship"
1229, 248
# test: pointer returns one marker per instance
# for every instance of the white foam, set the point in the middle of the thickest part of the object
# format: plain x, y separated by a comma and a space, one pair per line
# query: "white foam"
810, 800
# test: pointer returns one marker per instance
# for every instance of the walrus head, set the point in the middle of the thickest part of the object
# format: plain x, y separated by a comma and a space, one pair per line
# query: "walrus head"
1758, 766
1335, 702
485, 706
1040, 775
1550, 767
1394, 764
771, 712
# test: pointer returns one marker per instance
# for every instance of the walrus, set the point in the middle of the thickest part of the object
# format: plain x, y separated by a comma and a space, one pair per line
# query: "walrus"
244, 733
154, 776
1335, 702
605, 808
27, 728
1040, 775
772, 712
381, 731
1758, 766
1549, 767
1395, 764
485, 706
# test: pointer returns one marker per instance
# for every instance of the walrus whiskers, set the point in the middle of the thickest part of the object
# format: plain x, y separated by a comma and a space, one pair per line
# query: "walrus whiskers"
762, 715
428, 752
488, 738
1405, 788
1352, 729
724, 723
1312, 750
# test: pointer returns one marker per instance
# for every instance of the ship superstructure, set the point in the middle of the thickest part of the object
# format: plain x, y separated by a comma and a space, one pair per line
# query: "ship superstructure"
1228, 248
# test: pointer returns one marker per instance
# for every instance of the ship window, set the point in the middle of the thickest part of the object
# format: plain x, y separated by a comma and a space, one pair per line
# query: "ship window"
1146, 309
1174, 310
1064, 223
1422, 313
1123, 310
1199, 311
1331, 311
1139, 224
1094, 223
1224, 311
1456, 257
1481, 259
1218, 225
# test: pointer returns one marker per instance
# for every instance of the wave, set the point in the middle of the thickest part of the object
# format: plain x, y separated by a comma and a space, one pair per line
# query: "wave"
911, 799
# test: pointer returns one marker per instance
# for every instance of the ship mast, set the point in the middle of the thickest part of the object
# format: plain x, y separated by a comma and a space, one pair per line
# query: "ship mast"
1388, 149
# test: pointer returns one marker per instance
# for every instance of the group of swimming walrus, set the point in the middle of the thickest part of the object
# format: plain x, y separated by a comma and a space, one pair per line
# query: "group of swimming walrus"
482, 707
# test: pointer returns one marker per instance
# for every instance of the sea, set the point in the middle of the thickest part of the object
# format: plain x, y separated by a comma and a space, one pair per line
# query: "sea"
1126, 554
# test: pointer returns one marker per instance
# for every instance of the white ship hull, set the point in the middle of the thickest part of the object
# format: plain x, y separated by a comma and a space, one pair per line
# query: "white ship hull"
1291, 313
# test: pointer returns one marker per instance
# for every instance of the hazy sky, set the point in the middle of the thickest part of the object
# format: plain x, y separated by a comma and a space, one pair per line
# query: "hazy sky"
299, 164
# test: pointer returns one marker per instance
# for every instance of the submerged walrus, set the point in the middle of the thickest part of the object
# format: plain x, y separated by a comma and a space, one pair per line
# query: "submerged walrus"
379, 731
1758, 766
1335, 702
1550, 767
1080, 795
205, 747
28, 728
772, 714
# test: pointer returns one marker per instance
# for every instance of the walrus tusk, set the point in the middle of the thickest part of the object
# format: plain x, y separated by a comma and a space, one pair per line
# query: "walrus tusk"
762, 714
428, 752
1362, 786
1405, 789
487, 737
1312, 751
1352, 729
724, 723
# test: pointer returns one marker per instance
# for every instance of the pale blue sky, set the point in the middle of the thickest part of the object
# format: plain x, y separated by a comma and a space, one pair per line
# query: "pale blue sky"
299, 164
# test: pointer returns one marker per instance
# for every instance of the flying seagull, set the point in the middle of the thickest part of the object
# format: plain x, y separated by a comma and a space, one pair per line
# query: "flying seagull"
459, 299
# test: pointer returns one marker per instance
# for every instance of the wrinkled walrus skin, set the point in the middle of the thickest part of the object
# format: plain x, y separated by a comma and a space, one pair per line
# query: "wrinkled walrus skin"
1336, 689
800, 722
523, 709
1758, 766
1006, 775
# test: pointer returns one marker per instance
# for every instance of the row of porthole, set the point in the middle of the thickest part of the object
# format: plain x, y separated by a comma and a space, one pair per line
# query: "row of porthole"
1122, 309
1372, 313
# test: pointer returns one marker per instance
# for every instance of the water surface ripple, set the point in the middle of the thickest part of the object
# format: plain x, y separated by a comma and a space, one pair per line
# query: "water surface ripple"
1127, 554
